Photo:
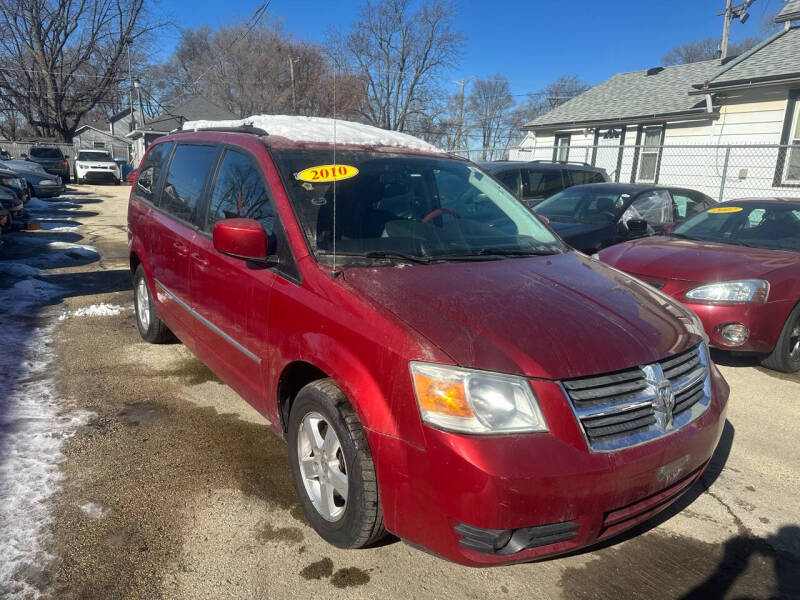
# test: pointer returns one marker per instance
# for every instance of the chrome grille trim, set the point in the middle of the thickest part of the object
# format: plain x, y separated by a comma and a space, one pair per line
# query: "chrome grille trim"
624, 409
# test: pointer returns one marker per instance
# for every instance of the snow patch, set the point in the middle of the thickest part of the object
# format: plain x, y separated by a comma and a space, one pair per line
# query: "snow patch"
320, 129
37, 204
93, 510
98, 310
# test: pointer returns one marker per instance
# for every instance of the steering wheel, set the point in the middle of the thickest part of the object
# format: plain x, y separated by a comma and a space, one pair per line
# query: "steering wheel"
439, 212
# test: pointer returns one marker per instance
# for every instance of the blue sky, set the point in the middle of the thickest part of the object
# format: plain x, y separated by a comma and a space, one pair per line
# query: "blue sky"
531, 42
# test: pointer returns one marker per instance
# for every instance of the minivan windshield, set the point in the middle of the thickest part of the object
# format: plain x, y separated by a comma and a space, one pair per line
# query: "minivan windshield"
773, 225
410, 208
590, 205
89, 155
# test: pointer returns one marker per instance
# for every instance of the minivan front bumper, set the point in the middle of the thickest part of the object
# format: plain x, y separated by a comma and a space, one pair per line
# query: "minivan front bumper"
489, 500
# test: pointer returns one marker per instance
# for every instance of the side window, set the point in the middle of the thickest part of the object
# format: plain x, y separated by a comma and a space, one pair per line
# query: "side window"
240, 192
510, 179
183, 185
686, 206
654, 207
541, 184
150, 170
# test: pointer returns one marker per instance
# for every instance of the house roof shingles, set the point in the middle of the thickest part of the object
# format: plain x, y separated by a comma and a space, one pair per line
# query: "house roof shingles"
193, 109
777, 57
635, 94
789, 12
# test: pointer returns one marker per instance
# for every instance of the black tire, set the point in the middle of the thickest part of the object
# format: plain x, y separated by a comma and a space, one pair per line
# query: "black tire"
361, 523
79, 181
153, 330
116, 182
785, 357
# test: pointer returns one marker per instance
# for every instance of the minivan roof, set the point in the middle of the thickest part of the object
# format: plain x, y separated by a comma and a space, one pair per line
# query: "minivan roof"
496, 165
316, 130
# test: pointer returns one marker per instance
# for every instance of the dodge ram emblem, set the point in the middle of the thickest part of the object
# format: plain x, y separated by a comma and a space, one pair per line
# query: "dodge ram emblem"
663, 394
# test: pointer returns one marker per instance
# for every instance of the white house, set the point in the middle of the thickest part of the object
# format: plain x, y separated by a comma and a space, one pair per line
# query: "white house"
730, 128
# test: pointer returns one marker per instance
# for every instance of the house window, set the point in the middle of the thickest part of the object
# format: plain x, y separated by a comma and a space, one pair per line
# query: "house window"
561, 149
793, 153
650, 153
99, 145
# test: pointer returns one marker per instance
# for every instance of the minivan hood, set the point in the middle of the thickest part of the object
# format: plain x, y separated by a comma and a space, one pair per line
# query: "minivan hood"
668, 258
551, 317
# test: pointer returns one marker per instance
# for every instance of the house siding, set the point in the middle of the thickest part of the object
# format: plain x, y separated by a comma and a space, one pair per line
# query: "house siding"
88, 137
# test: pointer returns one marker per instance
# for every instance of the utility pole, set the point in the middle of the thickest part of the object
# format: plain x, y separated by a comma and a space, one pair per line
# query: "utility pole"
129, 41
291, 74
726, 28
460, 140
732, 12
137, 85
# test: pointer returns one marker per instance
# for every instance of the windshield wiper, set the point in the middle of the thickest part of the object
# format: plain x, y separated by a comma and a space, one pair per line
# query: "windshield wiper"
682, 236
514, 252
401, 255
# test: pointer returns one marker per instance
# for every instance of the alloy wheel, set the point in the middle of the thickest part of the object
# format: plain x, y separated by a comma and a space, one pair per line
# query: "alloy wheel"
143, 303
322, 465
794, 342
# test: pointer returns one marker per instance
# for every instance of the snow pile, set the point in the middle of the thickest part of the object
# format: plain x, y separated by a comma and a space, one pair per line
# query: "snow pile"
36, 205
57, 225
320, 129
93, 510
98, 310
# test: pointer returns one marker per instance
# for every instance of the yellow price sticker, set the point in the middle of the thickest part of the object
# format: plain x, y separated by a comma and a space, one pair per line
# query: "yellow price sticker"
725, 209
324, 173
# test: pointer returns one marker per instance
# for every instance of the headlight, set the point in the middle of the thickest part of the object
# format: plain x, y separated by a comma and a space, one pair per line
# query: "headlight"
741, 290
470, 401
48, 182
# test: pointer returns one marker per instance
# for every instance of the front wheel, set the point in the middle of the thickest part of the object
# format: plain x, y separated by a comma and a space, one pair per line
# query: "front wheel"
332, 467
785, 356
151, 328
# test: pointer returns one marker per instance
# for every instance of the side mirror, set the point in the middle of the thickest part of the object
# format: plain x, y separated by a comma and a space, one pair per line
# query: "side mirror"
245, 239
637, 227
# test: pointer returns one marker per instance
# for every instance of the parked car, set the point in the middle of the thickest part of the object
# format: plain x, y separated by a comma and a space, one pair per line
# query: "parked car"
52, 159
96, 166
453, 382
594, 216
125, 167
39, 182
737, 266
12, 204
11, 181
538, 180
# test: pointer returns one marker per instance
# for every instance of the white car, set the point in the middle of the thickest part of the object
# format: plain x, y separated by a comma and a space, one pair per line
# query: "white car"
96, 166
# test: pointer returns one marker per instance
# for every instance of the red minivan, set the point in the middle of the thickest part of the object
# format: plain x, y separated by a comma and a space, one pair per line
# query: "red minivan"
440, 364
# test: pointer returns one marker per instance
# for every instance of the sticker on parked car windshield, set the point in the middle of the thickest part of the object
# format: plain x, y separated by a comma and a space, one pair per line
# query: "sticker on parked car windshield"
324, 173
726, 209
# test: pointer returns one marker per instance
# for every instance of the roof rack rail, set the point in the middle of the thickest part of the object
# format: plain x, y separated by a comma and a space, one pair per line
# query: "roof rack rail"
239, 129
564, 162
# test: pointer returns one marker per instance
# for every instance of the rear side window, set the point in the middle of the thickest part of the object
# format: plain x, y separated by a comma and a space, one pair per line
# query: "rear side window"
581, 177
687, 206
654, 207
150, 170
239, 192
541, 184
183, 184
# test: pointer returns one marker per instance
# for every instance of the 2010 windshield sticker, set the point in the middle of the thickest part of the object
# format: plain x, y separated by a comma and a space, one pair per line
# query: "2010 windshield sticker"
725, 209
325, 173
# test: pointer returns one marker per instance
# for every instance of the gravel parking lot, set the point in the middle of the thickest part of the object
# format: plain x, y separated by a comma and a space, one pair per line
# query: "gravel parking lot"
162, 482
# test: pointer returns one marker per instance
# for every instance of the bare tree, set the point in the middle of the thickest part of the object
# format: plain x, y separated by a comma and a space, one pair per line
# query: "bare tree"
488, 107
398, 52
270, 73
59, 58
561, 90
707, 49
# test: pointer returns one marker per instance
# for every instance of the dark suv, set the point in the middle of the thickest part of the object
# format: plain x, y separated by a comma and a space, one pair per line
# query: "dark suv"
52, 159
537, 180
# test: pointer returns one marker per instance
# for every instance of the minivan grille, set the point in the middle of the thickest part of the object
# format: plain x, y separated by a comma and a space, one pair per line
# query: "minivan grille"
626, 408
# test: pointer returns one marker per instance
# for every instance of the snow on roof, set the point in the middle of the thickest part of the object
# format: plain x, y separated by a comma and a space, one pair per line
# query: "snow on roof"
320, 129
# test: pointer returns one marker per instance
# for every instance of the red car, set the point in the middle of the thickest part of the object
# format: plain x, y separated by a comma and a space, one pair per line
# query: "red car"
441, 365
737, 266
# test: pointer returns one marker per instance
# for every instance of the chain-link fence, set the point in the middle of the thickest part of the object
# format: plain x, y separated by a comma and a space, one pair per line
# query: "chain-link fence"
722, 172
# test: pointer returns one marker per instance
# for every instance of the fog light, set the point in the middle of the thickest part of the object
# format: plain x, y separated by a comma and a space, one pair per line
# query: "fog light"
735, 334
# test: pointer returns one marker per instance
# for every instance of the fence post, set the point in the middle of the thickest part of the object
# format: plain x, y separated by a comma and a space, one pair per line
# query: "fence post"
724, 173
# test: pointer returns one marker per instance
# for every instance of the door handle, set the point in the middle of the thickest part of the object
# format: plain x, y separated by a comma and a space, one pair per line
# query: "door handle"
202, 262
182, 250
